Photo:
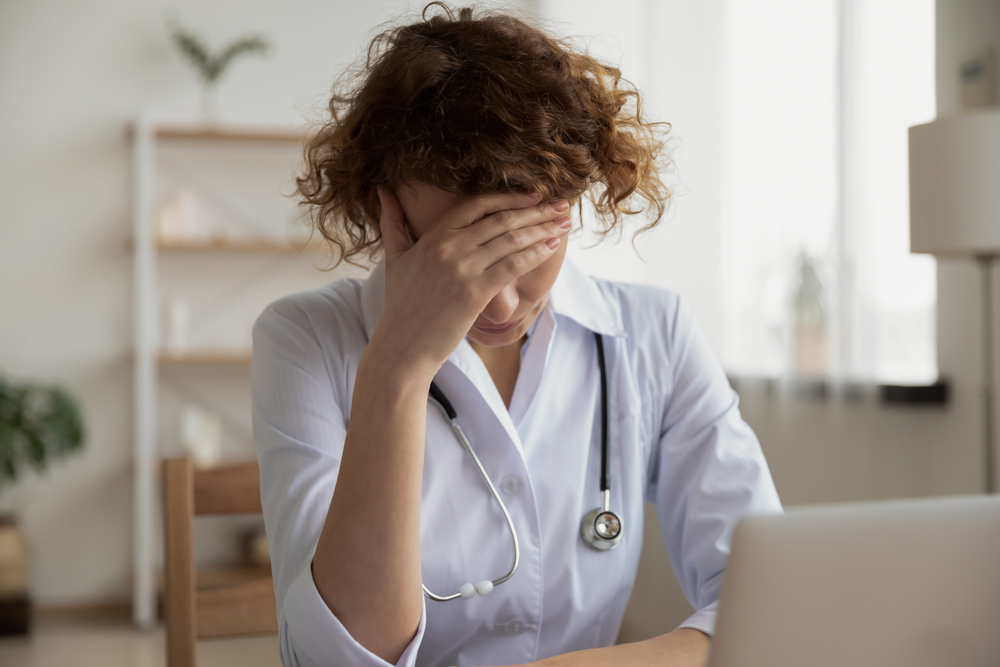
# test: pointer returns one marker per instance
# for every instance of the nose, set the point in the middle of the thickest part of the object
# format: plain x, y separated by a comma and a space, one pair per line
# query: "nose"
502, 306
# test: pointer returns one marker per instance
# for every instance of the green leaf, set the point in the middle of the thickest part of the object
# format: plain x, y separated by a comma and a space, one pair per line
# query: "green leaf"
37, 424
192, 48
211, 68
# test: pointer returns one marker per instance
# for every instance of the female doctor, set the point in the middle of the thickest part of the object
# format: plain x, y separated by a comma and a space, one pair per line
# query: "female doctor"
455, 453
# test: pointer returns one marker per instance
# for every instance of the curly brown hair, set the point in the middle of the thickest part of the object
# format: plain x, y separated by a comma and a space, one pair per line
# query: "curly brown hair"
477, 105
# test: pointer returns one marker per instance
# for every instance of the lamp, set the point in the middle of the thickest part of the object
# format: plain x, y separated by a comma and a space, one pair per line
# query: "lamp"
955, 212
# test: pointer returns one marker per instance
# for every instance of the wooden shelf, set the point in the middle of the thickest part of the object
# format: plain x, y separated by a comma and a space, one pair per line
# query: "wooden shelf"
211, 147
204, 358
223, 133
238, 245
223, 576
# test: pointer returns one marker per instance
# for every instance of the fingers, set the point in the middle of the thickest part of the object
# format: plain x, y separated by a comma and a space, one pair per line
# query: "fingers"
515, 265
521, 238
506, 222
392, 223
473, 209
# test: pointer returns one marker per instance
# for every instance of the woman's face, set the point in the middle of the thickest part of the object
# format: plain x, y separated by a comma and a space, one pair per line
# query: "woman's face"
509, 315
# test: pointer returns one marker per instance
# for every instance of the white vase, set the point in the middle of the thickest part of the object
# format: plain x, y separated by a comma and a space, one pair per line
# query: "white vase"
209, 103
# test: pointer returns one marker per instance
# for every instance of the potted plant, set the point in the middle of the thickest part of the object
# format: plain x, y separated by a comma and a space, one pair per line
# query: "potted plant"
809, 318
37, 425
211, 66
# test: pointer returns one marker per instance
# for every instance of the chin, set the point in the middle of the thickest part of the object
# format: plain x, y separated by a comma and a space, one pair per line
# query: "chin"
498, 340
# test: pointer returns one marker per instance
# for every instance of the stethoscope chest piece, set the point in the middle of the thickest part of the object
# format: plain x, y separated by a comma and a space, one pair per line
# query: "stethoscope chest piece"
602, 529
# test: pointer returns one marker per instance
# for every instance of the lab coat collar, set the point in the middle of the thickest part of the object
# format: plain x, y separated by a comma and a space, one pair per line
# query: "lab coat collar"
574, 295
580, 298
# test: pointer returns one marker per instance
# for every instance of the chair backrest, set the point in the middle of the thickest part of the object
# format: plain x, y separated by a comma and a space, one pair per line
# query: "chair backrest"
246, 608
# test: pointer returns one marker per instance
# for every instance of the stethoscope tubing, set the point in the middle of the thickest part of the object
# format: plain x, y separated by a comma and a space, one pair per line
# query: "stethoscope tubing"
590, 534
605, 481
449, 411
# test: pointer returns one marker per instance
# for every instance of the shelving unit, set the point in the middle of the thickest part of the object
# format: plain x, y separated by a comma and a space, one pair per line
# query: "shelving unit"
204, 357
220, 133
196, 258
238, 245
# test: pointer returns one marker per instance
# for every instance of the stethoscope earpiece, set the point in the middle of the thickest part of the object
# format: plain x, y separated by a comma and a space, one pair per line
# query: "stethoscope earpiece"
468, 591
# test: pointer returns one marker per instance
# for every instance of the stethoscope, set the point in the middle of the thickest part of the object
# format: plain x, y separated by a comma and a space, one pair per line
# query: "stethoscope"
601, 528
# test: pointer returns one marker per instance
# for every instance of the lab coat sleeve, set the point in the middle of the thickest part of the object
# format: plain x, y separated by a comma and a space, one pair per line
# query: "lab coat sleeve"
708, 470
299, 426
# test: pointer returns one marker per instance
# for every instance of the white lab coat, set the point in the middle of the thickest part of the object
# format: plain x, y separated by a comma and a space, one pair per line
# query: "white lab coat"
676, 439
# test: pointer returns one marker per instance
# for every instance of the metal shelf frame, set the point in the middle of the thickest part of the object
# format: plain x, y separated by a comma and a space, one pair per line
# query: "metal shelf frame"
146, 326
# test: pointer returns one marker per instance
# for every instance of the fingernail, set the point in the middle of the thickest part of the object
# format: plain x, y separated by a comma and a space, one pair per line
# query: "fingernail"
553, 243
564, 222
560, 206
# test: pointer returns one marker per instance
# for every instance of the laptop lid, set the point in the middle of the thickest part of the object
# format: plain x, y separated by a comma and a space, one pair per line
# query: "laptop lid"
903, 583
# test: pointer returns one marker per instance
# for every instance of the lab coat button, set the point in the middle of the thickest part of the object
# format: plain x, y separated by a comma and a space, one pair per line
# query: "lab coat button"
514, 627
512, 485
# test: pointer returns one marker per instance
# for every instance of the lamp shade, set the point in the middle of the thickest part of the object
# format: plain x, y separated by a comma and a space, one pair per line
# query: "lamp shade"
955, 186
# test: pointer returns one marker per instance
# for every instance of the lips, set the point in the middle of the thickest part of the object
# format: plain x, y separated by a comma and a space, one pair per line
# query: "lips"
498, 330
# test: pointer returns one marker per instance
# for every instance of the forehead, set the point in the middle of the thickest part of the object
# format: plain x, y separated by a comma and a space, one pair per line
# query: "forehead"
424, 203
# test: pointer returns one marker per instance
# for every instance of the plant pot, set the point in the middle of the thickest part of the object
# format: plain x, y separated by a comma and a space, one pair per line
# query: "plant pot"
15, 605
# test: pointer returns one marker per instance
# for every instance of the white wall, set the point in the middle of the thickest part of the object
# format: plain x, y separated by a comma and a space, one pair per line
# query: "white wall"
72, 76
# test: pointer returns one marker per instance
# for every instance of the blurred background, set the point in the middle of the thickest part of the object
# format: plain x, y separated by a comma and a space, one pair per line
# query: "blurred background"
146, 221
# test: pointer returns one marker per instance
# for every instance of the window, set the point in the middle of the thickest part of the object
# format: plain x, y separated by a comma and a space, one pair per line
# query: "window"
818, 279
790, 232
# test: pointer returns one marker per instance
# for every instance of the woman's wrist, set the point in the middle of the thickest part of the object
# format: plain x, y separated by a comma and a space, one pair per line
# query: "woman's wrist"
390, 361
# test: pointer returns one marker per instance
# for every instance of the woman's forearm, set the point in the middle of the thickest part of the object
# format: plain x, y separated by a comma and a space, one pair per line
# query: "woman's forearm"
681, 648
367, 561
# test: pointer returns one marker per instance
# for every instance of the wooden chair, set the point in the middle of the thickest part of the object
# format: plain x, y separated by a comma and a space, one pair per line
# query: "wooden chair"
246, 608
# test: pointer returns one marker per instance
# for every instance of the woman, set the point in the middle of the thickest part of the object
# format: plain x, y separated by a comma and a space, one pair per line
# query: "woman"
459, 154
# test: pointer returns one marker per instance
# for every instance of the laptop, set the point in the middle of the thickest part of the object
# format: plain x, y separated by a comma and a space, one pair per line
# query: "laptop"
912, 583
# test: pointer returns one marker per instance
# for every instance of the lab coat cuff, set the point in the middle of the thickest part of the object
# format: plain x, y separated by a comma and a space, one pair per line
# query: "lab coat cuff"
703, 619
315, 632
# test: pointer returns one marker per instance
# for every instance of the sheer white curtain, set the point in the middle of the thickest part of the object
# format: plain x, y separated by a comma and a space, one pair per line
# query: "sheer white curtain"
891, 294
779, 175
789, 234
818, 279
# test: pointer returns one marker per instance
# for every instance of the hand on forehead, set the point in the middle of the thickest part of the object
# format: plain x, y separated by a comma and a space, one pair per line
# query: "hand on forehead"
424, 205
